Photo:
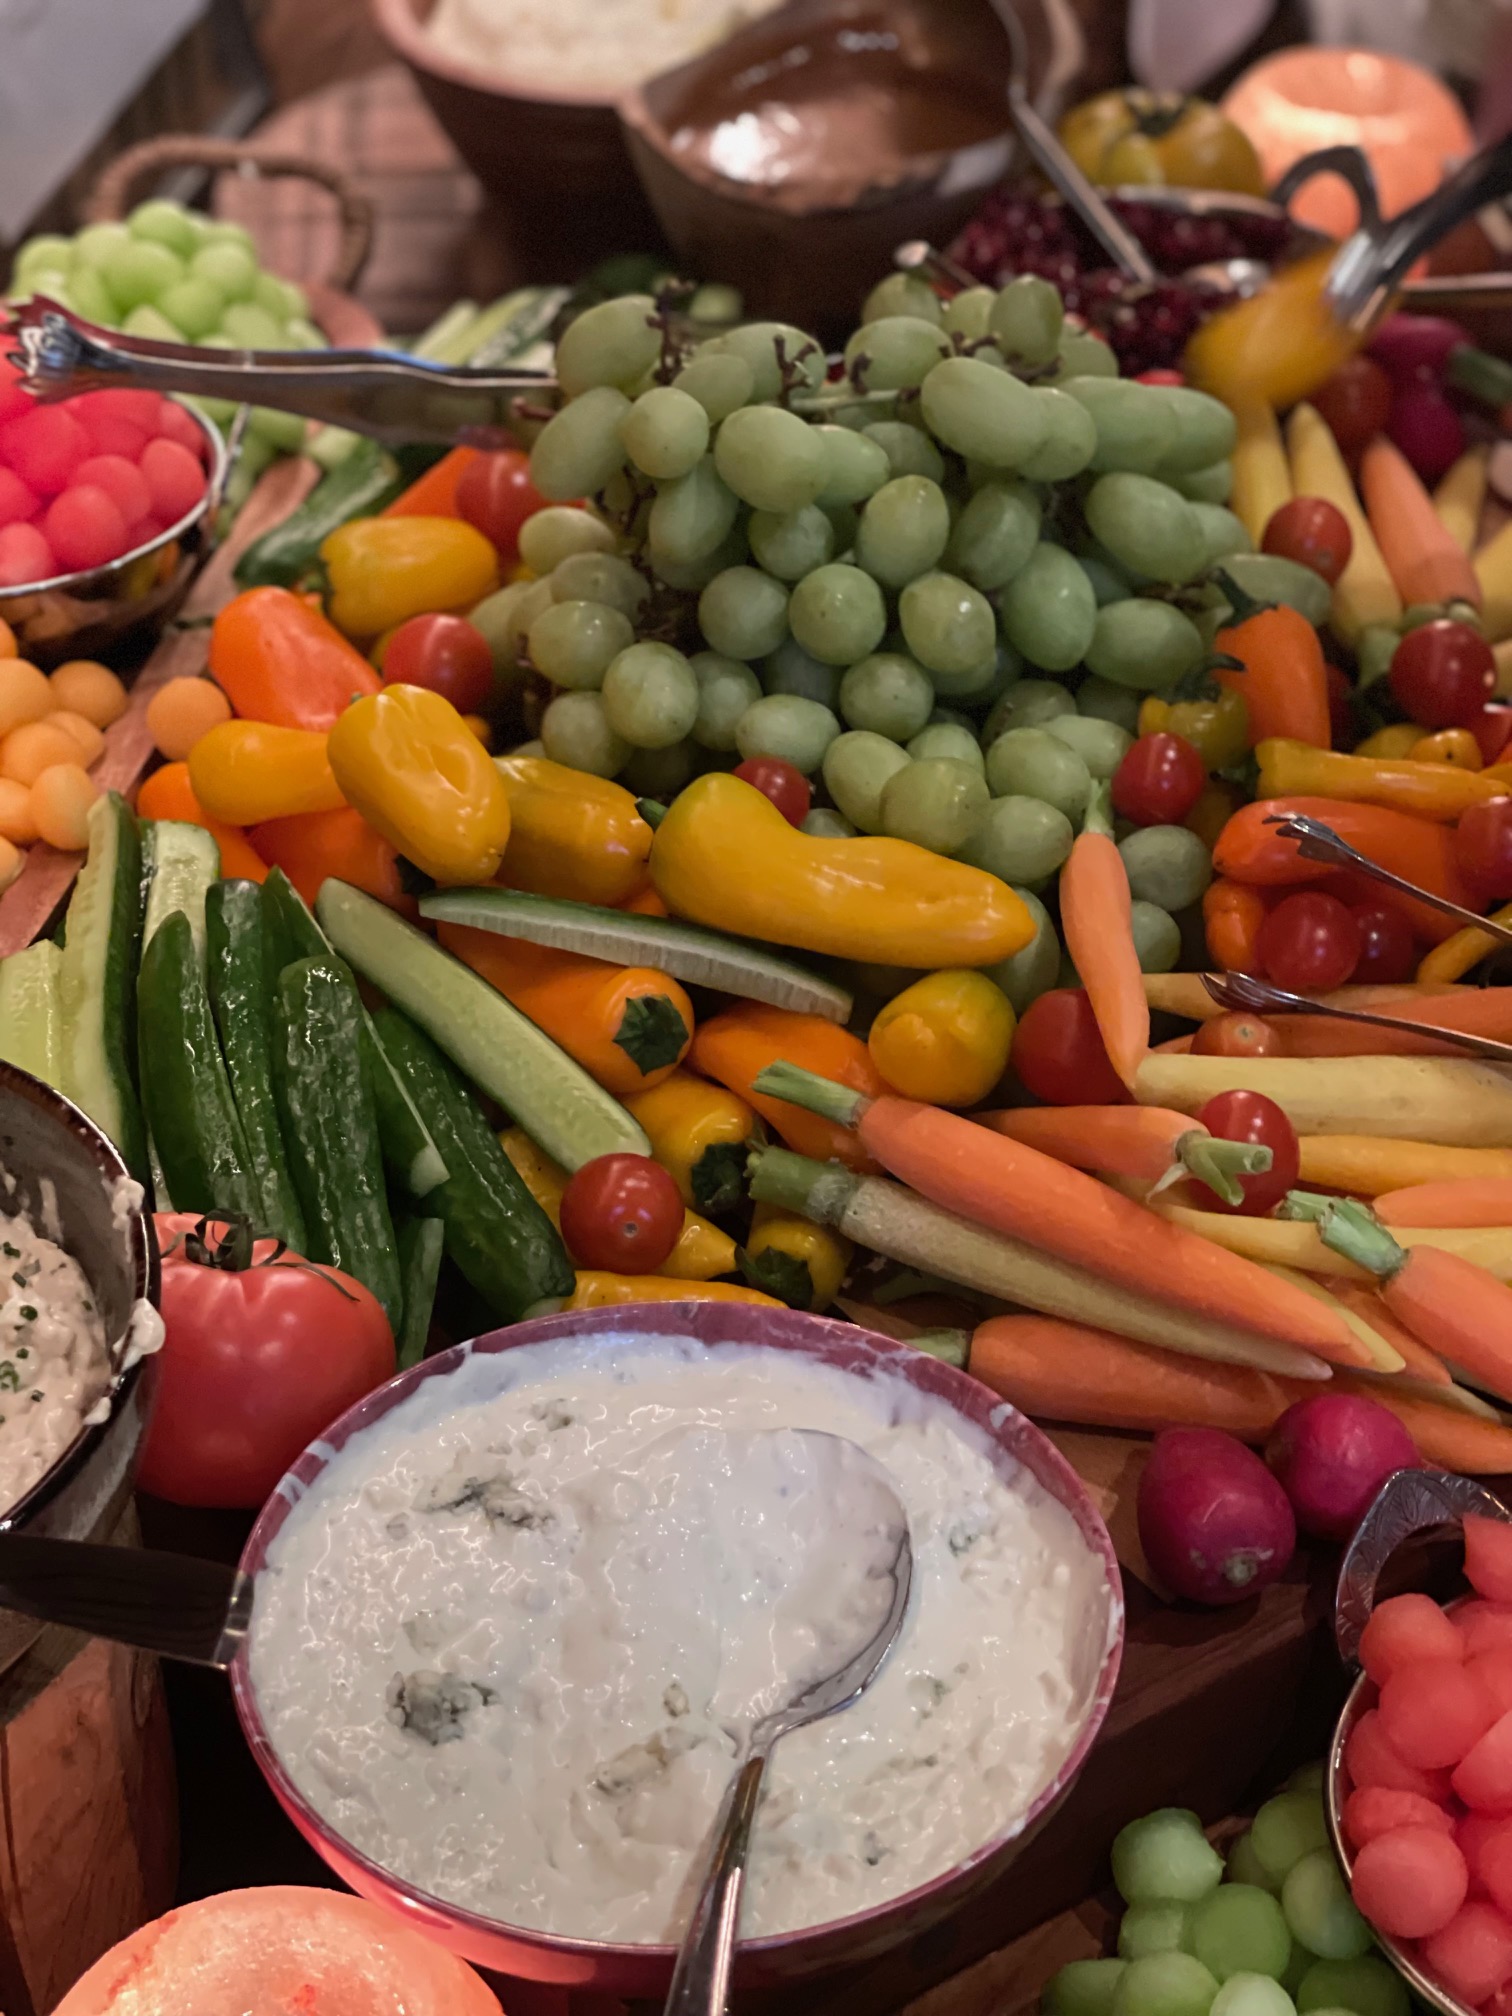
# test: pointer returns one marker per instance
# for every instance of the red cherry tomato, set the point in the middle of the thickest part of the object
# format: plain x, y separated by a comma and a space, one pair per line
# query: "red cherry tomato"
1159, 780
1492, 729
1059, 1055
1341, 728
447, 654
1483, 848
1238, 1035
1388, 950
622, 1213
495, 493
1249, 1116
1312, 532
786, 786
1309, 943
1442, 674
1356, 402
1160, 374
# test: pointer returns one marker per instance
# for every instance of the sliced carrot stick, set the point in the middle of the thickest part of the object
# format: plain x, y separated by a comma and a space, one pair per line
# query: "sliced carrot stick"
1365, 1303
1095, 920
1424, 559
1148, 1143
1472, 1011
1483, 1201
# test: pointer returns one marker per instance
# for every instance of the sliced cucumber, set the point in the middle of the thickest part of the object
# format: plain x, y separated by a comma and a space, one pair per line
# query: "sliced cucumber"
195, 1126
31, 1016
686, 951
422, 1241
560, 1107
97, 980
179, 864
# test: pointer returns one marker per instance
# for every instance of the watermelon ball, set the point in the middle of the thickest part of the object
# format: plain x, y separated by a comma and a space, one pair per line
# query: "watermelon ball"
175, 424
1488, 1558
1472, 1955
1372, 1759
1487, 1627
1410, 1883
1433, 1710
1406, 1628
1486, 1843
1483, 1777
85, 528
118, 421
122, 481
1493, 1672
174, 478
44, 448
17, 502
1377, 1809
14, 399
25, 556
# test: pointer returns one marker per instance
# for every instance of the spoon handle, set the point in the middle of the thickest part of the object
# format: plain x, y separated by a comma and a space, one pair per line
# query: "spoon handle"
701, 1979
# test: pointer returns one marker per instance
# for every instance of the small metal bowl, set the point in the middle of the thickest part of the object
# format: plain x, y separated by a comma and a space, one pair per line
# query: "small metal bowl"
90, 614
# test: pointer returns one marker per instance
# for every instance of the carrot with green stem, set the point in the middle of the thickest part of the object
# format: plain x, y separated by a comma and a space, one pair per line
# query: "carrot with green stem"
1097, 923
1148, 1143
1010, 1188
1425, 560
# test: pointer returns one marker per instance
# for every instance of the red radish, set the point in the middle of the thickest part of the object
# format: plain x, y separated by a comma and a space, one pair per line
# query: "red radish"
1472, 1955
1332, 1454
1483, 1778
1405, 344
1371, 1760
1410, 1882
1488, 1558
1426, 428
1407, 1627
1434, 1710
1376, 1809
1214, 1523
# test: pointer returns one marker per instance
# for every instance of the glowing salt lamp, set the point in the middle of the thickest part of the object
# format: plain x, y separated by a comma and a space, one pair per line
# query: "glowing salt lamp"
282, 1951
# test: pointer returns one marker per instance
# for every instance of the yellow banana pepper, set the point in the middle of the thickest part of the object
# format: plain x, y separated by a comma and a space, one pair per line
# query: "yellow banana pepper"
571, 835
1217, 726
603, 1291
382, 571
1452, 960
408, 762
1438, 791
802, 1263
698, 1132
701, 1252
944, 1040
248, 771
724, 855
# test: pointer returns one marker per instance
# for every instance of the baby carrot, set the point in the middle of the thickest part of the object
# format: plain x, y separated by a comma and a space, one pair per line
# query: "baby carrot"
1483, 1200
1368, 1165
1470, 1011
1149, 1143
1426, 562
1362, 1301
1095, 920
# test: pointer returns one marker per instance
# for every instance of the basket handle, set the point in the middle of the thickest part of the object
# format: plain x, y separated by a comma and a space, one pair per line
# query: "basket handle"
1410, 1501
109, 200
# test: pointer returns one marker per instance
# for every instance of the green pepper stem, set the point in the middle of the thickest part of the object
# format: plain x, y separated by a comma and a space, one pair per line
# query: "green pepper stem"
815, 1190
951, 1347
1220, 1164
815, 1094
1242, 605
651, 811
1483, 376
1348, 1228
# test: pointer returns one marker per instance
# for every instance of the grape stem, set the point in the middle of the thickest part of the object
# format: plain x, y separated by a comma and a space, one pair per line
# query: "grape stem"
834, 402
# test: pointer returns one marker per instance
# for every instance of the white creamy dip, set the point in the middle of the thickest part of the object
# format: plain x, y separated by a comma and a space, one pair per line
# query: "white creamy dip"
598, 47
54, 1360
506, 1643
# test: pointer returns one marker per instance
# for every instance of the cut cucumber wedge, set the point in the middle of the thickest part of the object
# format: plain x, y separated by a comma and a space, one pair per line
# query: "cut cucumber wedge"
504, 1054
97, 981
686, 951
31, 1019
179, 864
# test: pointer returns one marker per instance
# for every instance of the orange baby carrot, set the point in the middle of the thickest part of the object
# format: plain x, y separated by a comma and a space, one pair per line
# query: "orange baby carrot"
1148, 1143
1478, 1201
1095, 920
1423, 557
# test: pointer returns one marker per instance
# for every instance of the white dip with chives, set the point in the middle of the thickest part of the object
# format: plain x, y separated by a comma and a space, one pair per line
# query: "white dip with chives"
595, 47
54, 1361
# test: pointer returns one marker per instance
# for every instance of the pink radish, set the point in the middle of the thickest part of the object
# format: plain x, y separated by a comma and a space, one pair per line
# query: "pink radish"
1426, 427
1407, 344
1332, 1454
1488, 1558
1215, 1525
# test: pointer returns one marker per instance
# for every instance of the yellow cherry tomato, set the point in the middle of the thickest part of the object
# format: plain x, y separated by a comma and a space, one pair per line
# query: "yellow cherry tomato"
945, 1040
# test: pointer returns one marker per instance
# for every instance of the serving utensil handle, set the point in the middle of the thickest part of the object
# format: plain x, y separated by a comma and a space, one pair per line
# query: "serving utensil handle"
1409, 1502
701, 1979
175, 1604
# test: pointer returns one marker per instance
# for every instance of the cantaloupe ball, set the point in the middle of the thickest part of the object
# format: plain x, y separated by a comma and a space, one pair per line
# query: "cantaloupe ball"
16, 821
84, 686
29, 750
61, 798
179, 713
25, 694
91, 740
12, 861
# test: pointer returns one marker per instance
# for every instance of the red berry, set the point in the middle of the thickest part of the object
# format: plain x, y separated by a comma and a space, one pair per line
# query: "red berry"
85, 528
174, 478
44, 448
119, 479
25, 556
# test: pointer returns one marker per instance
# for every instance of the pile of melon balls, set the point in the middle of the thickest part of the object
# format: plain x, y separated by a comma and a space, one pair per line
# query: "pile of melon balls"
52, 731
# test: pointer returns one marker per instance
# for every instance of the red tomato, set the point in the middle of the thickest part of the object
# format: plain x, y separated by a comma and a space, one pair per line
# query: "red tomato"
1341, 728
447, 654
1483, 848
1442, 674
1309, 942
1356, 402
1160, 374
1059, 1056
1238, 1035
1159, 780
495, 493
621, 1213
1249, 1116
259, 1357
1388, 950
786, 786
1492, 729
1312, 532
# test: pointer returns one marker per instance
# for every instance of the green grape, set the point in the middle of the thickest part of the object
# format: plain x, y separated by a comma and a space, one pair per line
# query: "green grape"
903, 530
1239, 1929
303, 334
1311, 1777
280, 298
650, 696
1286, 1828
693, 576
1267, 577
935, 804
1203, 429
1169, 866
1165, 1857
997, 530
1082, 1988
46, 253
785, 725
145, 320
791, 544
947, 738
92, 243
743, 612
857, 769
838, 614
1028, 703
1296, 1969
1146, 525
823, 824
1048, 610
692, 515
770, 458
844, 519
1319, 1910
1083, 355
666, 432
980, 685
504, 619
983, 412
1019, 840
227, 266
790, 669
895, 353
1134, 426
1153, 1928
1157, 941
720, 383
1101, 745
909, 451
88, 294
1142, 644
251, 327
1165, 1984
575, 643
716, 302
1070, 438
902, 294
611, 344
854, 465
1367, 1986
549, 537
948, 624
1026, 319
726, 688
579, 449
599, 577
284, 432
1106, 700
887, 693
1253, 1995
659, 774
1109, 583
137, 272
1210, 485
575, 730
1031, 763
966, 313
194, 306
759, 344
1223, 534
1244, 1865
1035, 967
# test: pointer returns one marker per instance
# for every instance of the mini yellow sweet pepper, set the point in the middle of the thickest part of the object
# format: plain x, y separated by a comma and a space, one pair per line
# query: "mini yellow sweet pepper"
1217, 726
698, 1132
1396, 739
1440, 791
1456, 746
945, 1040
602, 1291
571, 834
382, 571
1452, 960
419, 776
702, 1250
801, 1263
248, 771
